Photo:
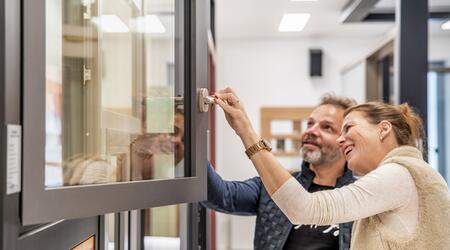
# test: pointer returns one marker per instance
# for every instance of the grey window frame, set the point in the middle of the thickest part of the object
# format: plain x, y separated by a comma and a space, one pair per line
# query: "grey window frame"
43, 205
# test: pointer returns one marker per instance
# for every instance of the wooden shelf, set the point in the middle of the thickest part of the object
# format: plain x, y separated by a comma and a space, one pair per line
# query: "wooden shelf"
295, 115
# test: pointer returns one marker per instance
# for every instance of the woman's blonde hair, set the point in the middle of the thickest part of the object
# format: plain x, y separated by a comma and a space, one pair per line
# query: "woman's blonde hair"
406, 123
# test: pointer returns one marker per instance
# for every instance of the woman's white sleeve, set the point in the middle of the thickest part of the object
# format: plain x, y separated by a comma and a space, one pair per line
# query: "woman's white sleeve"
385, 188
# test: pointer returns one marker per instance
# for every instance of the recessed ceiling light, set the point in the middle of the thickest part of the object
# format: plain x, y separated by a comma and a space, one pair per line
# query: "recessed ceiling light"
446, 25
110, 24
293, 22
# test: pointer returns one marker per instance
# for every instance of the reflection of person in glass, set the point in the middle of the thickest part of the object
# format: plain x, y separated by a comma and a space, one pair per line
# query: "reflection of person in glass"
150, 149
170, 147
152, 156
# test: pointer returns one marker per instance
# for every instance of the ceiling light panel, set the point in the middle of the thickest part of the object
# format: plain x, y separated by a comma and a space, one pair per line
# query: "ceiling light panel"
446, 25
293, 22
150, 24
110, 24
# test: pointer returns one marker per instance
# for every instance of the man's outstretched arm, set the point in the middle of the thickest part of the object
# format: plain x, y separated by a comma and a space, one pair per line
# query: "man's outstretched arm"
233, 197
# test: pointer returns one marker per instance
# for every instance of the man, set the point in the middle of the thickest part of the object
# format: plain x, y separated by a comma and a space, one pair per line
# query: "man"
323, 168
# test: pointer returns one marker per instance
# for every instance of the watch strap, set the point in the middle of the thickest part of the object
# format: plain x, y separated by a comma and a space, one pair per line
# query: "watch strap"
255, 148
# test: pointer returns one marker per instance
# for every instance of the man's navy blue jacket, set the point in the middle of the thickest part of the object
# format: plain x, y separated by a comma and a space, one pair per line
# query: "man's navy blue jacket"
251, 198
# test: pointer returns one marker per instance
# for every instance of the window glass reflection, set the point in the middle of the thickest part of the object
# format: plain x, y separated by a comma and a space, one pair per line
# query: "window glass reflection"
162, 227
114, 91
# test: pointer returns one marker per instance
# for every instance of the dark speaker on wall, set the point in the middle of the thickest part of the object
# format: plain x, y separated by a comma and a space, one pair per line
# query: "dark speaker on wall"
315, 62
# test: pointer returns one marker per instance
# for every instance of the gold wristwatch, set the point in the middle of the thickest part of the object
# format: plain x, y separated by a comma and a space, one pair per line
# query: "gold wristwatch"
255, 148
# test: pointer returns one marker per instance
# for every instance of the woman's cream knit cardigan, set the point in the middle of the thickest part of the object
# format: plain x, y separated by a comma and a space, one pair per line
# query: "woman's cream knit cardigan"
433, 227
430, 221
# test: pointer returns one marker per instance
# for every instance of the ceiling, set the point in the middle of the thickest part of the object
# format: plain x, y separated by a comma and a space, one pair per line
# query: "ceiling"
248, 19
260, 19
434, 4
434, 25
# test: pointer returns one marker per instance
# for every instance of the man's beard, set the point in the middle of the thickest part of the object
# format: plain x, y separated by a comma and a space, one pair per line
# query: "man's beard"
326, 154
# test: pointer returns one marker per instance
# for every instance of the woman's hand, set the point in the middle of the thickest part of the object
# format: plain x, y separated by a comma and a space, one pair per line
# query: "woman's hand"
236, 116
272, 173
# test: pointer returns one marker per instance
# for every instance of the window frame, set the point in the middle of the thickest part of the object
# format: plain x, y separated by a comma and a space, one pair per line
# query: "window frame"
43, 205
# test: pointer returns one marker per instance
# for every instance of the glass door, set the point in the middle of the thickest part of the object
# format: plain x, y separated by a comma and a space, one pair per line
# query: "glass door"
438, 119
113, 110
110, 120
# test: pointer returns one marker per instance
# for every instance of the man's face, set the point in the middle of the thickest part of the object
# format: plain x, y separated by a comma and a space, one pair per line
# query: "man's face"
319, 145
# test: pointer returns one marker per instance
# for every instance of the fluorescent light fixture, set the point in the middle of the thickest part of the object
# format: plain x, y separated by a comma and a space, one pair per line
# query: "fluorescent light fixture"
304, 0
293, 22
110, 24
149, 24
446, 25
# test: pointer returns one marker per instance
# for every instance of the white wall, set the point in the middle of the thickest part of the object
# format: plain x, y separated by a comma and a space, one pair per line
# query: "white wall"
270, 73
276, 73
354, 82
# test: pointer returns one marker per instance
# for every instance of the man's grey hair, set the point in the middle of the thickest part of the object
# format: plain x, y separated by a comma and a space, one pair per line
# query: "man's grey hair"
337, 101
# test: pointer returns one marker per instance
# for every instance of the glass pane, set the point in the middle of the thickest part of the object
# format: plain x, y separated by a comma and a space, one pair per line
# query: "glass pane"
438, 120
110, 231
162, 227
114, 91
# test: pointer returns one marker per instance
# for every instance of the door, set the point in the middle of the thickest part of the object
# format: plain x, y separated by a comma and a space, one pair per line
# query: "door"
113, 84
81, 234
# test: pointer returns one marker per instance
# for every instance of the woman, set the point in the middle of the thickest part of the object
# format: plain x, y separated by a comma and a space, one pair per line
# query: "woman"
399, 203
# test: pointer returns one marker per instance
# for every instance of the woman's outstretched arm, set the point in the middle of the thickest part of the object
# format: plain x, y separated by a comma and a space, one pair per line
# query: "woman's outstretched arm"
269, 169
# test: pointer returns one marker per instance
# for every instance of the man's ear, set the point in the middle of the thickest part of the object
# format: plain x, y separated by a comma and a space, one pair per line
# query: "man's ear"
385, 128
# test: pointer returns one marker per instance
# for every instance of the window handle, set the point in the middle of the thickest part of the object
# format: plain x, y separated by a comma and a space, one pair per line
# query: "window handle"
204, 100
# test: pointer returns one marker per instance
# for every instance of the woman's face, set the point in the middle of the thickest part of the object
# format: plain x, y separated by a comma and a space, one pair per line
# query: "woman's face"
360, 143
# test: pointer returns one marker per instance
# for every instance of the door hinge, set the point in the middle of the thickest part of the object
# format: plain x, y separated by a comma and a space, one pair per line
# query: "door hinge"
86, 74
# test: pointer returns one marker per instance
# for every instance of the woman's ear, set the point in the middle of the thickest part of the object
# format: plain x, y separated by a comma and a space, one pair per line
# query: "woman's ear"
385, 128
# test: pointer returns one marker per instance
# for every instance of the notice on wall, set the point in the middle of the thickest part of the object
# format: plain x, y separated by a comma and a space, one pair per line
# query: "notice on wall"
13, 159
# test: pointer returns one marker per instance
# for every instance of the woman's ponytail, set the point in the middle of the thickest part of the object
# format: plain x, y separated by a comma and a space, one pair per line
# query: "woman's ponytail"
415, 124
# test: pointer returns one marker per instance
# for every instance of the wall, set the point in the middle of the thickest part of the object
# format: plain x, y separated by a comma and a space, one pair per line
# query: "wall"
275, 73
353, 82
271, 73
